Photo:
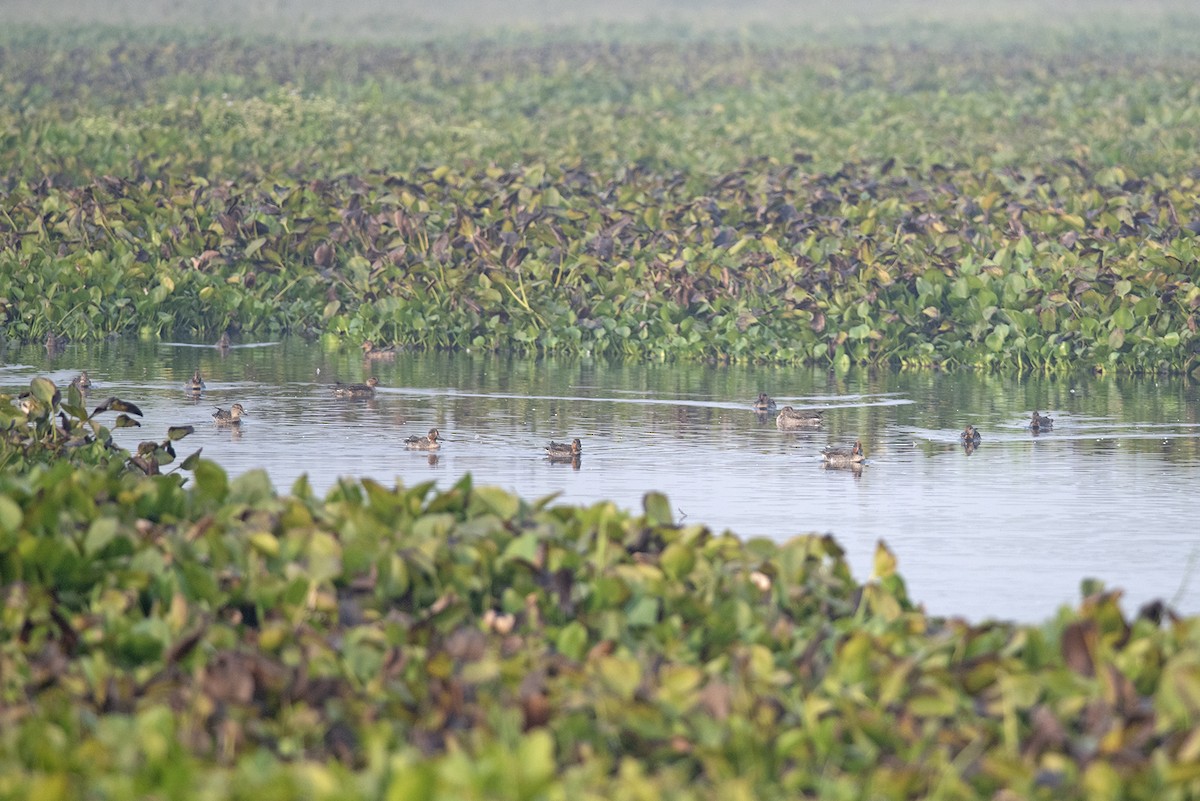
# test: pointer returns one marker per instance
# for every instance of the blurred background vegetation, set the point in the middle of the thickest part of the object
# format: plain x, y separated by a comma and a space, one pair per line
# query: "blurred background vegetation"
1021, 21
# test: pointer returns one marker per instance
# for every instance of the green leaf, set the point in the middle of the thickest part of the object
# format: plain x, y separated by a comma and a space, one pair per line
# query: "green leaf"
677, 560
176, 433
620, 675
503, 504
100, 533
572, 640
44, 390
190, 462
643, 612
658, 509
885, 561
524, 548
10, 515
211, 481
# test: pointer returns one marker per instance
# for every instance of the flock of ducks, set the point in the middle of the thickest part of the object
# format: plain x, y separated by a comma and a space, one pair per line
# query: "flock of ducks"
786, 419
431, 441
970, 435
789, 419
224, 417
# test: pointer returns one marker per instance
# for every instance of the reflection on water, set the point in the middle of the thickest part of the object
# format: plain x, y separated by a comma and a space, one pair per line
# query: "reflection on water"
1007, 528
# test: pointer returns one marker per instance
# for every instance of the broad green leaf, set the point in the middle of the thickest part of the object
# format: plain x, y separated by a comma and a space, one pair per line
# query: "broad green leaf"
44, 390
658, 509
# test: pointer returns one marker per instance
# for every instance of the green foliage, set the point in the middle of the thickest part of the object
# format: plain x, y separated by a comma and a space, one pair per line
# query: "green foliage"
834, 206
40, 427
229, 641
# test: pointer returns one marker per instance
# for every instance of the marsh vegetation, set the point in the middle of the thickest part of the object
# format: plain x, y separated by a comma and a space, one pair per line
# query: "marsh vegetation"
979, 192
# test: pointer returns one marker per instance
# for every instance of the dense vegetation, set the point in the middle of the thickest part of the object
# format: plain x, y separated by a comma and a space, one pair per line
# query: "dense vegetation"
167, 631
217, 639
1004, 206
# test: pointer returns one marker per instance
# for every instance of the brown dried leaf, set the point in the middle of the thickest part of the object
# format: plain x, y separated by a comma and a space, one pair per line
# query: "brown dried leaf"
717, 698
1079, 647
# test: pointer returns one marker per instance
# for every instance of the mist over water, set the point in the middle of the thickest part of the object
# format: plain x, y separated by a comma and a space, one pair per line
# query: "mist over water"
1007, 531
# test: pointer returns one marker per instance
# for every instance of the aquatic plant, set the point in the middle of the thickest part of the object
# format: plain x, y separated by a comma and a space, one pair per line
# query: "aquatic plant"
220, 638
40, 426
634, 200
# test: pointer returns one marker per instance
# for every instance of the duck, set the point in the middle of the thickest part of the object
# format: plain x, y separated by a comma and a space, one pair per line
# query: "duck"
196, 384
1040, 423
788, 419
373, 353
233, 417
429, 442
564, 452
366, 390
844, 457
970, 435
764, 403
81, 381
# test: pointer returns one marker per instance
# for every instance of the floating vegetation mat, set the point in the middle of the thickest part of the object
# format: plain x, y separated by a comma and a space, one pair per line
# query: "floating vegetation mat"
1005, 207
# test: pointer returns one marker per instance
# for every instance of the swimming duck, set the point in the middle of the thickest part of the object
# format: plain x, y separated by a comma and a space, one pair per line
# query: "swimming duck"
429, 442
233, 417
196, 384
564, 452
1040, 423
844, 457
764, 404
366, 390
789, 419
970, 436
372, 353
81, 381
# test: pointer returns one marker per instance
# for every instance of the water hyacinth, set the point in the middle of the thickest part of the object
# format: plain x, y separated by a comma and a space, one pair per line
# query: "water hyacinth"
1070, 243
167, 630
413, 627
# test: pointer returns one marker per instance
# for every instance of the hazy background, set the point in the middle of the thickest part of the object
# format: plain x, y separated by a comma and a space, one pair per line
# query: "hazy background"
395, 20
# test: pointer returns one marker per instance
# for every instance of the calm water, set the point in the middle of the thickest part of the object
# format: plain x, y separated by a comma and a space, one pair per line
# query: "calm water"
1007, 531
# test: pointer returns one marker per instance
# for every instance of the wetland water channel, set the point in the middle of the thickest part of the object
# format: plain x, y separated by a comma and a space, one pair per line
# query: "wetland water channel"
1008, 531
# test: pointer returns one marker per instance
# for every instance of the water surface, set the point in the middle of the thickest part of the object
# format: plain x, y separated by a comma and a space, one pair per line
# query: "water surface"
1007, 531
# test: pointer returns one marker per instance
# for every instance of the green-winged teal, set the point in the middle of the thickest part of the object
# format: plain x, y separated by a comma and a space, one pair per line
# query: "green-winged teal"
1040, 423
789, 419
377, 354
81, 381
429, 442
233, 417
970, 435
564, 451
844, 457
764, 403
196, 384
366, 390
